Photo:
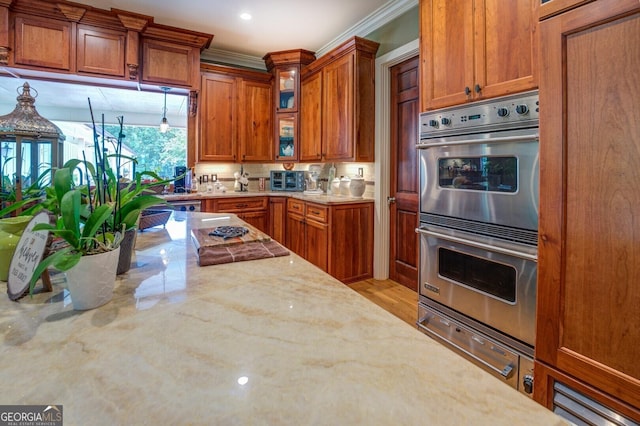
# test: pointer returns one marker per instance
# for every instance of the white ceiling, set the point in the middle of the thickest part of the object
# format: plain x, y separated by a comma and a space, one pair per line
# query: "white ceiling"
276, 25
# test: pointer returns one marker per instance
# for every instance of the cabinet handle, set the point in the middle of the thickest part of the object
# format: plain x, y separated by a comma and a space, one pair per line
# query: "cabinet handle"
467, 91
241, 205
477, 88
315, 212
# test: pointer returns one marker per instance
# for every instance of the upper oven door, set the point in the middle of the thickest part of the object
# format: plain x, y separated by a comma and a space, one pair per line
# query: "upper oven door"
490, 177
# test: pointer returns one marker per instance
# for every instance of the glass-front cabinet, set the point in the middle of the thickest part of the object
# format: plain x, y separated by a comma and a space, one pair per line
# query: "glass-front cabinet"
287, 83
285, 67
287, 127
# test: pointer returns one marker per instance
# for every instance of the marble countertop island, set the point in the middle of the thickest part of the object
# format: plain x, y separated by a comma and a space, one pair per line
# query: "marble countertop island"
271, 341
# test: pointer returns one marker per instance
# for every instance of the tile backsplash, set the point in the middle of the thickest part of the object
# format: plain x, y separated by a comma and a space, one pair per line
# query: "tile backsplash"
223, 172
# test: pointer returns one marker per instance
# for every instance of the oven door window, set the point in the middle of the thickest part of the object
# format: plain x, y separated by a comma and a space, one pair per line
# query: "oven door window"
485, 173
495, 279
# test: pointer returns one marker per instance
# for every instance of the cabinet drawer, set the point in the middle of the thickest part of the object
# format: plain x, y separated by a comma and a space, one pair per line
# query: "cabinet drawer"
295, 206
318, 213
232, 205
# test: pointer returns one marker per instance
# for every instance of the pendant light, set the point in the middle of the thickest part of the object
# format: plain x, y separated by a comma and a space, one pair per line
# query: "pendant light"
164, 124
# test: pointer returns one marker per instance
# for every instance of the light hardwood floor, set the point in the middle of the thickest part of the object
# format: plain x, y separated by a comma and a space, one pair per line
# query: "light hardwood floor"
391, 296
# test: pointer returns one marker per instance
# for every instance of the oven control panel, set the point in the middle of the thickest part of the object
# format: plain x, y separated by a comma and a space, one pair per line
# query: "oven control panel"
515, 111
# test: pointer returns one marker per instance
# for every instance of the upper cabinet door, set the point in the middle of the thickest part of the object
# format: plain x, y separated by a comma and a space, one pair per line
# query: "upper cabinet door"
475, 49
255, 120
506, 47
446, 44
338, 109
287, 89
101, 51
43, 42
311, 118
218, 118
168, 63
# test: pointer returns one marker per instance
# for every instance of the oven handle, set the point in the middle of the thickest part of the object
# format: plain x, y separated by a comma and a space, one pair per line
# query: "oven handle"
506, 372
529, 137
476, 244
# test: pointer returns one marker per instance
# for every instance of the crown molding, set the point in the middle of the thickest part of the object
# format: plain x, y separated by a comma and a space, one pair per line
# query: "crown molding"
221, 56
383, 15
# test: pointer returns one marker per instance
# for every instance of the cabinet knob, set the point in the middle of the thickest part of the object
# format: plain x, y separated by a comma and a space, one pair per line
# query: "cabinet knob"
477, 88
467, 91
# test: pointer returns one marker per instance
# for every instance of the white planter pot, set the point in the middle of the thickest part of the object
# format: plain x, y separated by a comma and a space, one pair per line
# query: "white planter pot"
92, 280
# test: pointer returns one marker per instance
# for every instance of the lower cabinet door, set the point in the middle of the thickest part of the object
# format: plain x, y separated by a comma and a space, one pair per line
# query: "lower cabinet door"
318, 244
295, 234
257, 219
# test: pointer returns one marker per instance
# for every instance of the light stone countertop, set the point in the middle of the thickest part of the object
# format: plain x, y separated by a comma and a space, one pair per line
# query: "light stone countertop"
271, 341
320, 198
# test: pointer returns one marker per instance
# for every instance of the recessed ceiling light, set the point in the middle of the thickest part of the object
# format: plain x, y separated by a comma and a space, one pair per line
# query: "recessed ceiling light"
245, 16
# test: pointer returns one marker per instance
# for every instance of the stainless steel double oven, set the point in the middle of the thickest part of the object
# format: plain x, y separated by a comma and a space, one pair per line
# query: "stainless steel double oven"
478, 232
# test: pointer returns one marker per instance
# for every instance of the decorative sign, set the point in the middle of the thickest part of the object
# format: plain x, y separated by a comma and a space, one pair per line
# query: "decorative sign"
28, 254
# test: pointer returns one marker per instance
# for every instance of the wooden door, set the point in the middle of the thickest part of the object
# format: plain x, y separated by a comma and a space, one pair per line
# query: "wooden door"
338, 110
43, 43
403, 213
588, 314
446, 51
255, 109
506, 44
101, 51
317, 243
311, 118
277, 218
258, 219
295, 234
218, 118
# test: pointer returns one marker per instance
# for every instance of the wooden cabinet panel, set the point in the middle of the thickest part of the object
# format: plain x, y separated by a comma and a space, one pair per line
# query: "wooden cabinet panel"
351, 247
278, 218
296, 234
43, 42
255, 120
338, 110
588, 322
475, 49
169, 63
218, 118
506, 47
311, 118
446, 50
240, 204
317, 244
101, 51
259, 220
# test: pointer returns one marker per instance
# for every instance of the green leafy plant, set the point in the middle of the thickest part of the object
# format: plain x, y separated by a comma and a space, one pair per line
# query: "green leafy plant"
79, 224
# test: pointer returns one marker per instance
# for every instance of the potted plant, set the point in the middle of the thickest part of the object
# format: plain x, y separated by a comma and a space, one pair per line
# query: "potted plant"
85, 247
129, 199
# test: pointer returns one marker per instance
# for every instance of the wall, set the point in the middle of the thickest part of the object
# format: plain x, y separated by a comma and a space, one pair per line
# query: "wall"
225, 171
396, 33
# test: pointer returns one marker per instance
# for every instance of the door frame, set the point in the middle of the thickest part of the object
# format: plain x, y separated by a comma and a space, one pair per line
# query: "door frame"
383, 153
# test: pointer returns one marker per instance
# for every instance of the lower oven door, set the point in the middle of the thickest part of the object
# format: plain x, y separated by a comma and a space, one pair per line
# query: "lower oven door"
491, 282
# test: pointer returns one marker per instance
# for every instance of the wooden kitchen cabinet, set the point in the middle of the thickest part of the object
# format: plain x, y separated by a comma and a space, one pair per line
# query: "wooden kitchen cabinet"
255, 121
285, 67
278, 218
170, 64
235, 116
43, 43
337, 91
253, 210
336, 238
588, 317
475, 49
101, 51
70, 38
311, 116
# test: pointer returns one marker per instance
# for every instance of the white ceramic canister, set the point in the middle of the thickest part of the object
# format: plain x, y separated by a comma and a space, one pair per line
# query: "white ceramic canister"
344, 186
357, 186
335, 186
